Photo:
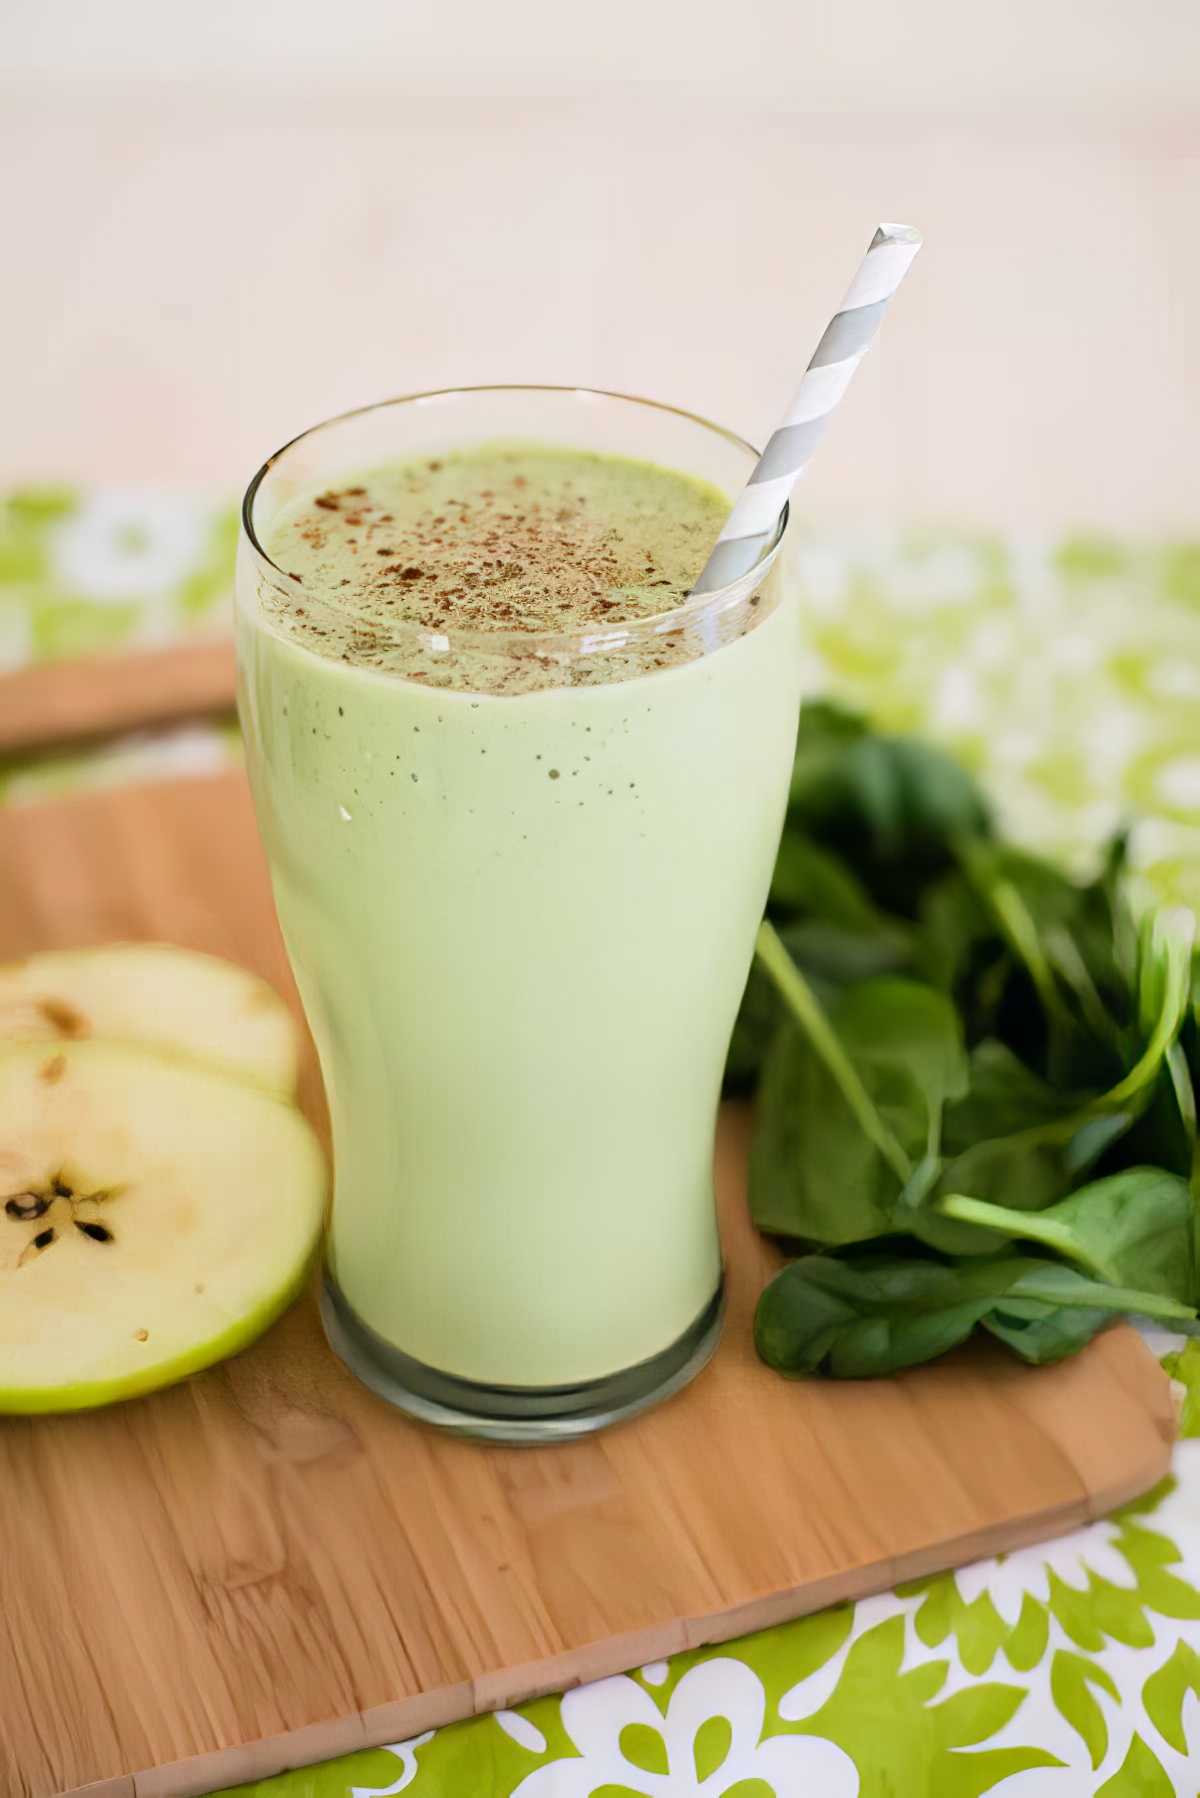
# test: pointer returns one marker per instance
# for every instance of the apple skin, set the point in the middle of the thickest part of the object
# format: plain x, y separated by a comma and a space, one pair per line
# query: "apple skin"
90, 1394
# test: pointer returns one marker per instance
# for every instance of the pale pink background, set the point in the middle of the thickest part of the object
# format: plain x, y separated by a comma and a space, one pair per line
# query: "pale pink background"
223, 221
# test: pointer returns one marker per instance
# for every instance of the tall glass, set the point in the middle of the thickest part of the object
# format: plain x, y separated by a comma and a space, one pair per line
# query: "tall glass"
519, 877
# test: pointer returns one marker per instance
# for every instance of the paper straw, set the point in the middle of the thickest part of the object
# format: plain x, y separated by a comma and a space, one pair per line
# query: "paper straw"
848, 336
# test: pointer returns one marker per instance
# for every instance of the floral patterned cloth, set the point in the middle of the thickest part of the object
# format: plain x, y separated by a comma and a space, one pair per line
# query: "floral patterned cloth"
1067, 674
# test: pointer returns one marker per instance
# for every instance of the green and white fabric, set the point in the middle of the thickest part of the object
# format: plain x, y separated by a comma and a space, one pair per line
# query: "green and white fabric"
1067, 675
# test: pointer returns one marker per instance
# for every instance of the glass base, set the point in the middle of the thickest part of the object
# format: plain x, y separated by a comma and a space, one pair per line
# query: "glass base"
528, 1414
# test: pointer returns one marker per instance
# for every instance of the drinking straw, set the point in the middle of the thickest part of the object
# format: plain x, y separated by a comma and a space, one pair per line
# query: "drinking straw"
848, 336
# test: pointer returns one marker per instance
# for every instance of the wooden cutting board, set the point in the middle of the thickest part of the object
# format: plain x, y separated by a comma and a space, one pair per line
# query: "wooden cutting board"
54, 703
266, 1566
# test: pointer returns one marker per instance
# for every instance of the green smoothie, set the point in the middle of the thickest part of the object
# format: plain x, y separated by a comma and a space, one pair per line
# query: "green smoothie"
520, 892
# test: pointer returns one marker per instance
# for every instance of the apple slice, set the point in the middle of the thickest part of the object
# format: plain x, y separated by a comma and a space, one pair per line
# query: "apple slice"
153, 993
155, 1216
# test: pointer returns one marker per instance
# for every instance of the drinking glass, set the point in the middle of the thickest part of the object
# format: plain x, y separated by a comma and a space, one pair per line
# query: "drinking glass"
519, 876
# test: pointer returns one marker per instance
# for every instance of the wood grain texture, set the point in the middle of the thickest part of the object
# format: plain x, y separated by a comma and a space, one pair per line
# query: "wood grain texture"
265, 1565
97, 696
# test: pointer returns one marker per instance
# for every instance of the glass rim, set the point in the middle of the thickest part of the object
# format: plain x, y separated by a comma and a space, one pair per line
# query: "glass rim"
554, 644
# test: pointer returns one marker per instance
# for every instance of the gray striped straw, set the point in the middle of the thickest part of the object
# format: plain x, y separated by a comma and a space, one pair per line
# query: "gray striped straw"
848, 336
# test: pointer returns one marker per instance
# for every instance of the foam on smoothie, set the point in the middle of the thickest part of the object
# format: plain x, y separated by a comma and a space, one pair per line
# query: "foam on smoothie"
502, 538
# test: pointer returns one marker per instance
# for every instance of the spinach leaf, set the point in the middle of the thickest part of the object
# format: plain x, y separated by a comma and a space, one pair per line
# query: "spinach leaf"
1137, 1228
857, 1319
806, 1011
1039, 1332
1183, 1090
854, 1319
956, 1046
901, 1034
1003, 1098
831, 955
1016, 1141
890, 807
810, 880
1164, 1135
1007, 1171
1164, 980
1055, 1284
1068, 1023
814, 1173
958, 944
850, 1103
1031, 1141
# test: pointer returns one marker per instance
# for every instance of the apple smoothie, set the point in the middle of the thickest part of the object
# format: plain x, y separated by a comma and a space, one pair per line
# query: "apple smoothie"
520, 831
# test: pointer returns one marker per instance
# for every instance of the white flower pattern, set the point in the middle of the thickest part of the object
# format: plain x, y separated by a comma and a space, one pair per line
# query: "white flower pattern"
1008, 1578
407, 1755
596, 1716
120, 546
